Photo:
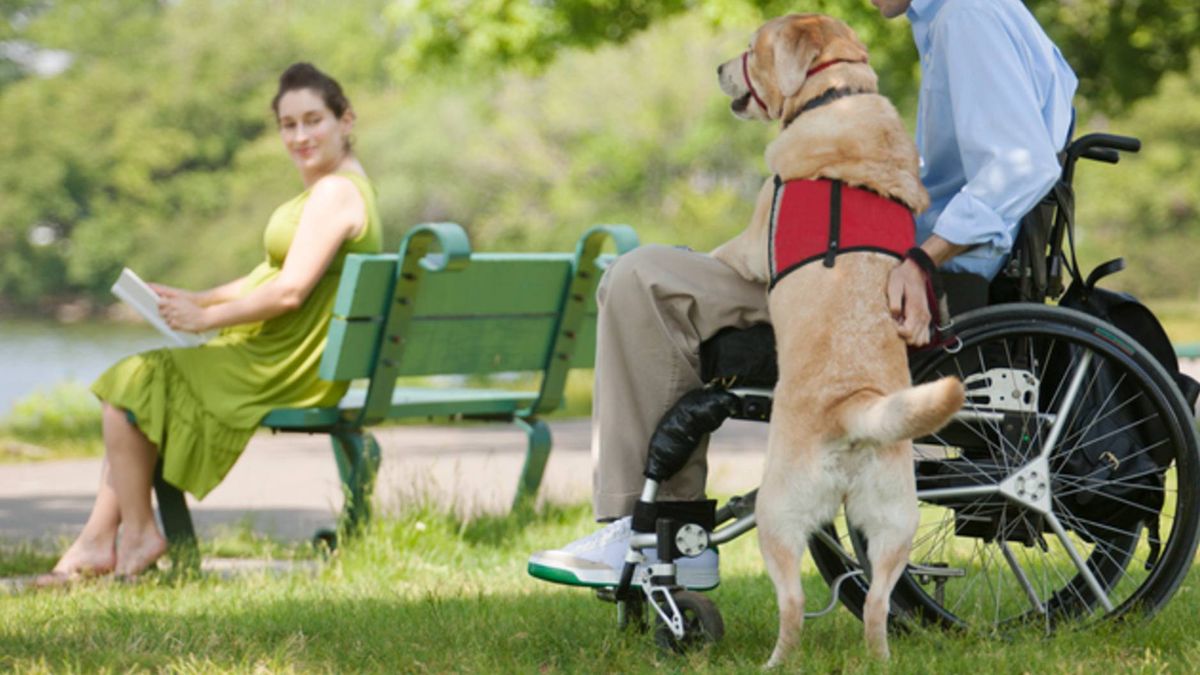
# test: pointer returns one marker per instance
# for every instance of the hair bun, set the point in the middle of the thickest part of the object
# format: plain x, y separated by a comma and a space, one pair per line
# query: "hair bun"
304, 75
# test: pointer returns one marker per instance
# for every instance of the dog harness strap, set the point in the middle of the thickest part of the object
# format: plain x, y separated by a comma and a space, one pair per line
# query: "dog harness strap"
835, 221
821, 219
774, 218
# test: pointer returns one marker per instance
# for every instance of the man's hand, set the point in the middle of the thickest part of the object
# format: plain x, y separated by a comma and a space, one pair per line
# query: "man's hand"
908, 303
906, 293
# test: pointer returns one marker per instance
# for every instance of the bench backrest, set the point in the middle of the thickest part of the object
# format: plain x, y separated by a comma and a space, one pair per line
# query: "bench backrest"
455, 312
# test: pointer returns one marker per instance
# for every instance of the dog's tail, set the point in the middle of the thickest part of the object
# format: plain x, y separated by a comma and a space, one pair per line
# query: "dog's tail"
906, 414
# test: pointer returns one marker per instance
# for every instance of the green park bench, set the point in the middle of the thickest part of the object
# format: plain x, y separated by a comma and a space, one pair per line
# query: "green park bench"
436, 308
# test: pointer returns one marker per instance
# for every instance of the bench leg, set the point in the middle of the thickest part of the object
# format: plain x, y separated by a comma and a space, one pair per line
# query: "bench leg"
357, 454
535, 461
176, 522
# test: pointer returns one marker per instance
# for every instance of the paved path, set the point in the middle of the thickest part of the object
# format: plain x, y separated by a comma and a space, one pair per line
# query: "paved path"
286, 485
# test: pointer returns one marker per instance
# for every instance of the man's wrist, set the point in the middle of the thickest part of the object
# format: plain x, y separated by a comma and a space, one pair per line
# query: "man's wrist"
940, 250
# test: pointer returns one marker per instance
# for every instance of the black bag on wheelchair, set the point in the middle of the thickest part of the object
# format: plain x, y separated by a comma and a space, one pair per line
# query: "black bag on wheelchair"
1125, 312
1118, 461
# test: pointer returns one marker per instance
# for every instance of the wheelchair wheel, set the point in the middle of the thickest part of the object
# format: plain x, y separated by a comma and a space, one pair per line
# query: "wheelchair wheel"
702, 624
1064, 490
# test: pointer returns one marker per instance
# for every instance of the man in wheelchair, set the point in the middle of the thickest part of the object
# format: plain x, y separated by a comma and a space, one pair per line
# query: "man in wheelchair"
994, 112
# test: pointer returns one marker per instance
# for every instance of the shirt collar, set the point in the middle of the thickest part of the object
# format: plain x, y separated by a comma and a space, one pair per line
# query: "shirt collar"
920, 14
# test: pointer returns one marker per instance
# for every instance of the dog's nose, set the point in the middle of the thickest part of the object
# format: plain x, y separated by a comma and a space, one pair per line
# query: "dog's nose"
720, 70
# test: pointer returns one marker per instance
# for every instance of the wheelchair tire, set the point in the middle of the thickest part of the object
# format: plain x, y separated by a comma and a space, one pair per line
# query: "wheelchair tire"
988, 562
702, 624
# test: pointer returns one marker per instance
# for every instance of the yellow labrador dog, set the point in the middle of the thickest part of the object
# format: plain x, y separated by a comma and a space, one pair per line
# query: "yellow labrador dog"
826, 232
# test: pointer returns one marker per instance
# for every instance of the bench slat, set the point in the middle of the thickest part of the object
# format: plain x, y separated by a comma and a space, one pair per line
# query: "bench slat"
350, 352
406, 402
476, 345
365, 288
496, 285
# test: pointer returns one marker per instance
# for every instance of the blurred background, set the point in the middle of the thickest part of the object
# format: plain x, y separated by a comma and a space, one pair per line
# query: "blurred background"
138, 133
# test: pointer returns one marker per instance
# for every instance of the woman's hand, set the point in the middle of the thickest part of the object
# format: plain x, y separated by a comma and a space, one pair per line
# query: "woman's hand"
172, 292
181, 313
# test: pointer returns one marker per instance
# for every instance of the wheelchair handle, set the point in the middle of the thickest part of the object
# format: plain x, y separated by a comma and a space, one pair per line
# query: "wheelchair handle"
1103, 146
1100, 147
1106, 155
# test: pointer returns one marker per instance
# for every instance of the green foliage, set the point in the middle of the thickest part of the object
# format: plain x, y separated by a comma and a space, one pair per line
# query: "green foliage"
133, 149
54, 423
66, 411
526, 122
1146, 208
1121, 48
486, 36
629, 134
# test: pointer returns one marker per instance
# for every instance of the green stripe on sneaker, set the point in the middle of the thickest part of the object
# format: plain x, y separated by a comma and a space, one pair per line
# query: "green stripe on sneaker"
560, 576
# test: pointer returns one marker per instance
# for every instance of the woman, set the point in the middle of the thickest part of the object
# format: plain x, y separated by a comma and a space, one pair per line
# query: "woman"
199, 406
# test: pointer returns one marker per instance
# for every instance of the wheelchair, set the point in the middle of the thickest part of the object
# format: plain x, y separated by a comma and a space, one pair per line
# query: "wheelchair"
1065, 490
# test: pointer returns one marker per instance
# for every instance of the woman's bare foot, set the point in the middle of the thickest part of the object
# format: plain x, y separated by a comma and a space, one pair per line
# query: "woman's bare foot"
138, 550
88, 557
85, 558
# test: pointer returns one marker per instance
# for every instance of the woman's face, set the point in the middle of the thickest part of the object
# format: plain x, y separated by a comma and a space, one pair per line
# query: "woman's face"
313, 136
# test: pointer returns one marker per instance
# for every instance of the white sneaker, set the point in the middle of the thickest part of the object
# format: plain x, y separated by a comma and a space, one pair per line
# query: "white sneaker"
597, 560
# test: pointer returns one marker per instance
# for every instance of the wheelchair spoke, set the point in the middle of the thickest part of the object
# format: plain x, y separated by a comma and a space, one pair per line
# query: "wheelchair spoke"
977, 477
1067, 402
965, 491
1075, 435
1090, 527
1022, 455
1080, 565
1089, 481
1112, 433
1030, 592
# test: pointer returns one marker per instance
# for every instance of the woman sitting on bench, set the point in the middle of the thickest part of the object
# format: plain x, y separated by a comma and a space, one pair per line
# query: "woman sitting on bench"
197, 407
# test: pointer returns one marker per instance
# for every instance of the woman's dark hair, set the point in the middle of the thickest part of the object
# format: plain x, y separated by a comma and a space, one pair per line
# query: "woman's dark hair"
306, 76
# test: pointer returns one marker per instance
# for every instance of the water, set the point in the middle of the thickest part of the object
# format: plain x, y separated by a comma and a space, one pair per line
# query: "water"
39, 354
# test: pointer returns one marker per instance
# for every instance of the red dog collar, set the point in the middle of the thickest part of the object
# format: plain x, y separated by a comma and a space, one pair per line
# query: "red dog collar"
750, 85
811, 71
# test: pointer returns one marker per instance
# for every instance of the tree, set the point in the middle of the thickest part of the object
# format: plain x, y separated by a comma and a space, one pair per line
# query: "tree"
135, 146
1120, 48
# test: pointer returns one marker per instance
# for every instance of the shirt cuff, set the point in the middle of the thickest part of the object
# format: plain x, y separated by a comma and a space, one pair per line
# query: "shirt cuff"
968, 221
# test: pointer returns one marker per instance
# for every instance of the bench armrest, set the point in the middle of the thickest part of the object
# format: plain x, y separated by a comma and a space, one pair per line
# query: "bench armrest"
587, 269
449, 238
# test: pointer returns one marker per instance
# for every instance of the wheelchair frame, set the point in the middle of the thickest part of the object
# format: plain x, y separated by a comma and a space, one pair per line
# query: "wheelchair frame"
1026, 487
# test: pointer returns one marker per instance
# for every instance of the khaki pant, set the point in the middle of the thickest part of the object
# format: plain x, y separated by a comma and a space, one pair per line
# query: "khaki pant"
657, 304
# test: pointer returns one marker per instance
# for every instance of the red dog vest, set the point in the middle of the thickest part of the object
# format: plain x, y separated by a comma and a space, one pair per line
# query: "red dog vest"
812, 219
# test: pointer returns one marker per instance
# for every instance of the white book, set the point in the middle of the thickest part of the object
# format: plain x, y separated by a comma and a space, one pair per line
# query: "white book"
137, 294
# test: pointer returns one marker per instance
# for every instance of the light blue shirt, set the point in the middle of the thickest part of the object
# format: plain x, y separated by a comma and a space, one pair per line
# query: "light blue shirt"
994, 111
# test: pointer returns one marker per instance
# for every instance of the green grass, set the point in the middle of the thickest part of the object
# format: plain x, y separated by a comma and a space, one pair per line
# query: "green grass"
425, 592
52, 423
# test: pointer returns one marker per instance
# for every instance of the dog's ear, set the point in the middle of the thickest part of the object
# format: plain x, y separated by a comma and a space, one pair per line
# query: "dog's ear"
796, 45
844, 45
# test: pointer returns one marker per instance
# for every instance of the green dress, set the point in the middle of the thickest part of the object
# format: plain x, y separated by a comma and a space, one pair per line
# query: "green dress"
200, 405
